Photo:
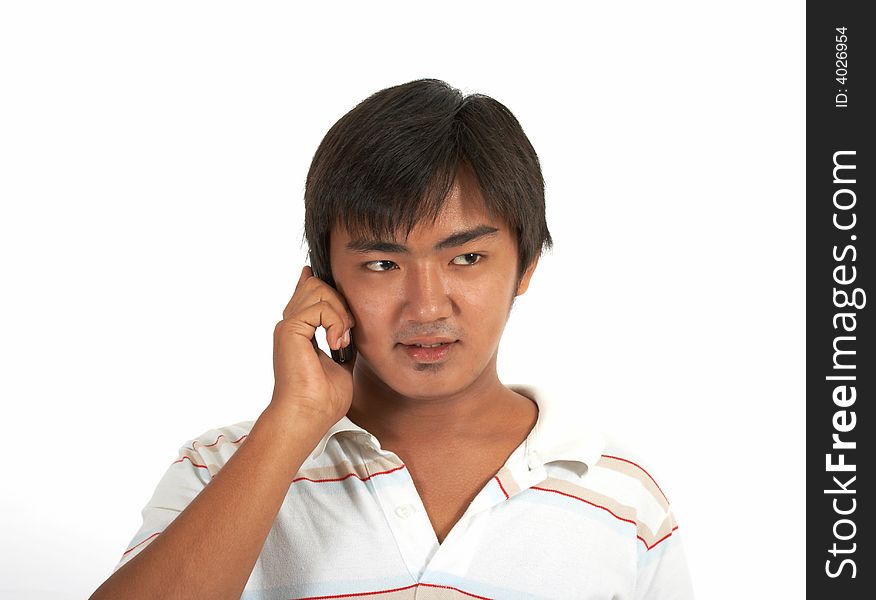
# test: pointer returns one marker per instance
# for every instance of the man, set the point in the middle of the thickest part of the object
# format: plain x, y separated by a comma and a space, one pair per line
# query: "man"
410, 470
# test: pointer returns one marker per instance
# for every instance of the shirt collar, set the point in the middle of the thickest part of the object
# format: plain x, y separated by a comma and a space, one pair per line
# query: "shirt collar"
558, 434
561, 433
344, 424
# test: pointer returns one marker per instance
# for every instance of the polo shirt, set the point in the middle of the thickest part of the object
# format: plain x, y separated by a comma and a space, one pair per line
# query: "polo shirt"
567, 516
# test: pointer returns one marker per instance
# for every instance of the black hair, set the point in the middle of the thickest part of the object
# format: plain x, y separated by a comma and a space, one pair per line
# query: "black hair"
390, 162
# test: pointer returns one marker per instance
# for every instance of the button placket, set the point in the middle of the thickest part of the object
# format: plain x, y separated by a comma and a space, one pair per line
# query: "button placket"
403, 511
407, 518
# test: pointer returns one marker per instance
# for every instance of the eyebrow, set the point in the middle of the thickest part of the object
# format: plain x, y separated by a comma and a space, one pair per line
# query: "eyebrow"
457, 239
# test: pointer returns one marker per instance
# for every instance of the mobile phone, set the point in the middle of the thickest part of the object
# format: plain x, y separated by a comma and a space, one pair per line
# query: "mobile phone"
345, 354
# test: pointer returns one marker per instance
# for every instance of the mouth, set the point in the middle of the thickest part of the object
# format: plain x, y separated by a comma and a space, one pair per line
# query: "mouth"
426, 351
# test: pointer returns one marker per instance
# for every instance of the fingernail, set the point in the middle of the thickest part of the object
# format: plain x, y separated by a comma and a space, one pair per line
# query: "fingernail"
346, 338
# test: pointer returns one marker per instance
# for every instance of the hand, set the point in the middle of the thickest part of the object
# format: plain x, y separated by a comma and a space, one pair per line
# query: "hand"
305, 377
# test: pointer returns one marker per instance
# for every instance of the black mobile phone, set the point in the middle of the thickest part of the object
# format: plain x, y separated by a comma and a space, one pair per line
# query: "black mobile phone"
344, 354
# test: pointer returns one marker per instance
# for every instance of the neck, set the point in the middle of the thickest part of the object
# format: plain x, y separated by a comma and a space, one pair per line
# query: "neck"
468, 415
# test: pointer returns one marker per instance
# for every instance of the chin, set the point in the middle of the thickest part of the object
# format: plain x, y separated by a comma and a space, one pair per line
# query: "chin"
427, 381
420, 380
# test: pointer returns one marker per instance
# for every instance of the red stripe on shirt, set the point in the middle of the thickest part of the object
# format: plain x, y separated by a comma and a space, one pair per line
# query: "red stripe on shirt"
503, 487
348, 475
374, 593
140, 543
609, 511
658, 541
641, 469
221, 435
353, 595
191, 461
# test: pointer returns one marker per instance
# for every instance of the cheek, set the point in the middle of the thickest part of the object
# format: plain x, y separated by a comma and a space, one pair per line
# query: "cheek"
372, 316
485, 308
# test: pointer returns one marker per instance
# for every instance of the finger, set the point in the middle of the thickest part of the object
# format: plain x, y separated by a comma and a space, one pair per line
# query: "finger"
306, 273
325, 295
319, 314
335, 319
312, 287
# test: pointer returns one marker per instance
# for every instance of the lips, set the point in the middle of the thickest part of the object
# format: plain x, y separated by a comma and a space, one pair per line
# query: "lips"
428, 341
425, 354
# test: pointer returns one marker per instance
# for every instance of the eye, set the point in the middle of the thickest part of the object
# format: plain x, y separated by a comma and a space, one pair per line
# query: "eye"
380, 265
468, 259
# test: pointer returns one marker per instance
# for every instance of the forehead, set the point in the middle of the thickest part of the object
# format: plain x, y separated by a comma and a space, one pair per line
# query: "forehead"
464, 208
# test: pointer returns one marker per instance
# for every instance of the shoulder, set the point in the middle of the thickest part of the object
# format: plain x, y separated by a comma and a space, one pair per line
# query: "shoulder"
628, 465
212, 449
632, 483
636, 484
198, 460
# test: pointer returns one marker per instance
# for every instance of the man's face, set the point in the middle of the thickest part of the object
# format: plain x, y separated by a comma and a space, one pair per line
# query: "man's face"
453, 281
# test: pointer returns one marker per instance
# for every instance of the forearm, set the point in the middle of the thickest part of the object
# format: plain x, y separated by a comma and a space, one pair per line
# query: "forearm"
227, 522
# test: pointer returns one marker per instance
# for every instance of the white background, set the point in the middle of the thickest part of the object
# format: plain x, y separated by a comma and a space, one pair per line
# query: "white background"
152, 164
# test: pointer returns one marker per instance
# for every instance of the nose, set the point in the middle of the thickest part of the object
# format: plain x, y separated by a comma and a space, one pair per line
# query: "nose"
427, 294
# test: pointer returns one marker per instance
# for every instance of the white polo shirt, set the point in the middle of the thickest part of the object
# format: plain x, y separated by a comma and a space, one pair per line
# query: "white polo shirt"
565, 517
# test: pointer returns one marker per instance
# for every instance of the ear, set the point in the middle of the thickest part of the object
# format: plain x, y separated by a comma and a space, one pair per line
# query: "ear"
527, 275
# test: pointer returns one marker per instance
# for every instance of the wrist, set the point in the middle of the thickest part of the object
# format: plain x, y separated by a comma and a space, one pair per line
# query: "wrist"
293, 423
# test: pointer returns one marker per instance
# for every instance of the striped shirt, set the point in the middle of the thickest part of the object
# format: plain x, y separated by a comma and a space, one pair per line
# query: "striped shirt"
567, 516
